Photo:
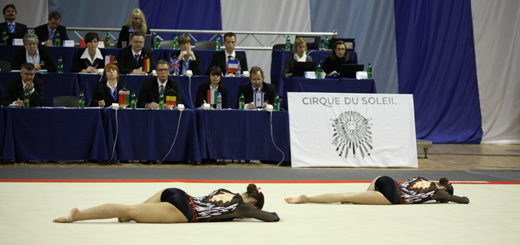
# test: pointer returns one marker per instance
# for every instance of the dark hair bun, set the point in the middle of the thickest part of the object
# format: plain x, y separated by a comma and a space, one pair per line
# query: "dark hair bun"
251, 188
444, 180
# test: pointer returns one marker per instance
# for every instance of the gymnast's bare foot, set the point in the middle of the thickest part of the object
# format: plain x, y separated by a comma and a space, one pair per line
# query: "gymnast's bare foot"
68, 218
294, 200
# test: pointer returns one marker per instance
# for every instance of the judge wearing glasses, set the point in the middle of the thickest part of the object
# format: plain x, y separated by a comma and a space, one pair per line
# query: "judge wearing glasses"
163, 84
338, 57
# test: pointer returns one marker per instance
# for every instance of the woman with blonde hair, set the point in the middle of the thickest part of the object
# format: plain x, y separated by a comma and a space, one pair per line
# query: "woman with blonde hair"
300, 50
136, 23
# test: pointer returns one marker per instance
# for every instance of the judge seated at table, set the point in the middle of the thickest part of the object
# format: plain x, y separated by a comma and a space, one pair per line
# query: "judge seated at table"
338, 57
256, 76
163, 84
92, 58
131, 59
213, 83
39, 56
107, 91
222, 58
188, 60
299, 55
47, 32
12, 28
16, 88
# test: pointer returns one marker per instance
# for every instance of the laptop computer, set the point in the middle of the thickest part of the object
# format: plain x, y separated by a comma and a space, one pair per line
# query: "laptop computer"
313, 43
349, 42
349, 70
300, 68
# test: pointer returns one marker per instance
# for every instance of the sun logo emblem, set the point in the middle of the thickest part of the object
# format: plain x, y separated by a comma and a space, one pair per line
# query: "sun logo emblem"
352, 133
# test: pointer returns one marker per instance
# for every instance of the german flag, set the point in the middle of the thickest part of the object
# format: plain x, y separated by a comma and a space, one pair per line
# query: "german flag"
146, 65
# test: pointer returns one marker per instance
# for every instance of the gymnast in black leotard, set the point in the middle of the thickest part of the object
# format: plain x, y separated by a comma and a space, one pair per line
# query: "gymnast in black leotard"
385, 190
173, 205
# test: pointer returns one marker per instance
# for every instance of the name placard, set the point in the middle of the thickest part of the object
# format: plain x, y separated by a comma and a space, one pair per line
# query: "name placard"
68, 43
17, 42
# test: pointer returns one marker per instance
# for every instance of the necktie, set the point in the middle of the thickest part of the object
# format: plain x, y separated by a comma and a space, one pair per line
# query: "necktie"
161, 90
256, 90
136, 61
51, 35
11, 28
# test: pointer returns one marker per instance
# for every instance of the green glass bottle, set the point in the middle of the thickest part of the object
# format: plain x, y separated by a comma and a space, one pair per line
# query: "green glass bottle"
277, 103
369, 71
4, 37
287, 43
175, 42
26, 99
217, 47
81, 100
241, 102
318, 70
60, 65
133, 102
326, 43
115, 62
156, 42
161, 101
107, 41
57, 39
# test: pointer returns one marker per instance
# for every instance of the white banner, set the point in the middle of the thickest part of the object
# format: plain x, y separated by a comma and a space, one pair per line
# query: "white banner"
352, 130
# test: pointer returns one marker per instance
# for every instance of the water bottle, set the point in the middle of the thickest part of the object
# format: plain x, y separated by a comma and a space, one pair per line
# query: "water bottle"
369, 71
175, 42
26, 99
239, 72
217, 47
60, 65
277, 103
161, 101
81, 100
156, 42
219, 102
115, 62
326, 44
318, 70
133, 101
107, 41
241, 102
287, 43
57, 39
4, 37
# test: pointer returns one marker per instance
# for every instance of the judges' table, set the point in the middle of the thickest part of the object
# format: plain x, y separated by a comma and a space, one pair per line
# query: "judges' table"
243, 135
54, 84
205, 57
148, 135
53, 134
328, 85
88, 83
278, 61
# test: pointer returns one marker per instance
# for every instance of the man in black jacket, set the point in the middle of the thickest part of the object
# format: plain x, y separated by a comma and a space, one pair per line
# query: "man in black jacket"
47, 32
131, 59
257, 84
12, 28
153, 87
222, 58
16, 88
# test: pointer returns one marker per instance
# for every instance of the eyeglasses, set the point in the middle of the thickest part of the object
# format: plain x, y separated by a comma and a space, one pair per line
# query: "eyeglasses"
162, 70
340, 49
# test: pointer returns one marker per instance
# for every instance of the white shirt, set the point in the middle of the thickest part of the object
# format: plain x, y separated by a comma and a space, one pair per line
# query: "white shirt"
85, 55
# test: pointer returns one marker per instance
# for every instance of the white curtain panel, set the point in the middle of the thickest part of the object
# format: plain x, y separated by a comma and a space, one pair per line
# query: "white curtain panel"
265, 15
496, 28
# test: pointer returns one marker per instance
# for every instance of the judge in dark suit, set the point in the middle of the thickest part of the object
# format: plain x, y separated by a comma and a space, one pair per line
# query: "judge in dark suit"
47, 32
107, 91
131, 59
221, 58
213, 82
92, 58
256, 75
40, 57
12, 28
188, 59
136, 23
152, 87
16, 88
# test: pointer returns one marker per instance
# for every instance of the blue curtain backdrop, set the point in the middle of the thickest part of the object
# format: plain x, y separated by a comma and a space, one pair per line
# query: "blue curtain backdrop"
183, 14
436, 63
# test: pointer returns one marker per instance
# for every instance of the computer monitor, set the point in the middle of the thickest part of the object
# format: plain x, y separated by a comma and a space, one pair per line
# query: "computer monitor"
349, 70
349, 42
300, 68
313, 43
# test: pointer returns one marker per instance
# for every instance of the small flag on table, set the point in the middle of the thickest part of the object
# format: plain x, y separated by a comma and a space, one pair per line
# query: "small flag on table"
109, 59
212, 97
232, 66
171, 100
146, 64
175, 67
259, 99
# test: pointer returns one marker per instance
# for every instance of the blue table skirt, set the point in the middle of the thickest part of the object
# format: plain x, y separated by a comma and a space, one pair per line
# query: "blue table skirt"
88, 83
54, 84
53, 134
246, 136
149, 134
328, 85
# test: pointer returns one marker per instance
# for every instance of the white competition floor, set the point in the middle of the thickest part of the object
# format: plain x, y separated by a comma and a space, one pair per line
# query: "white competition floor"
492, 217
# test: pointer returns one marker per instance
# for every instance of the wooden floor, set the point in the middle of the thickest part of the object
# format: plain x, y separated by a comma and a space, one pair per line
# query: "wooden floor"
441, 157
